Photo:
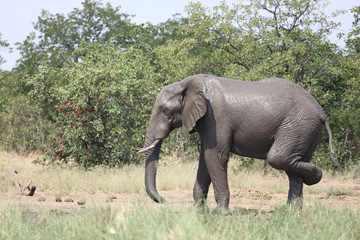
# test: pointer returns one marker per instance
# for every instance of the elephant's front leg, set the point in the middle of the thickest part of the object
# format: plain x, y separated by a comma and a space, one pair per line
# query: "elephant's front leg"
216, 162
202, 183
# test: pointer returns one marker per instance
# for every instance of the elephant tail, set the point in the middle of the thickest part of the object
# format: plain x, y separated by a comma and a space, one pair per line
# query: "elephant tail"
333, 155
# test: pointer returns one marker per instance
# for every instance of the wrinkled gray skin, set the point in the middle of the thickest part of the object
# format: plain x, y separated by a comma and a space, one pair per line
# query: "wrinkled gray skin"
273, 119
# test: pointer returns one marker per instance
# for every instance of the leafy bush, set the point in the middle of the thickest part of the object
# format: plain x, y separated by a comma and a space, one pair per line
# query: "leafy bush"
19, 130
103, 110
183, 146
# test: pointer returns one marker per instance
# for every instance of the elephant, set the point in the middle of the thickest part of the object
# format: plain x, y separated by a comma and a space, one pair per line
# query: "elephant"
273, 119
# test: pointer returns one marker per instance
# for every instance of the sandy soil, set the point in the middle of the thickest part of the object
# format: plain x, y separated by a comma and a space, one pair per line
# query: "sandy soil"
240, 200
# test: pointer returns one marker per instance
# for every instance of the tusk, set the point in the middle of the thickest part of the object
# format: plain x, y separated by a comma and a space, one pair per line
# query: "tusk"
152, 146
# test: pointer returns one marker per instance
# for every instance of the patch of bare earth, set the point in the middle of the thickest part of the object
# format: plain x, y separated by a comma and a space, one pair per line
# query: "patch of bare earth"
335, 193
240, 200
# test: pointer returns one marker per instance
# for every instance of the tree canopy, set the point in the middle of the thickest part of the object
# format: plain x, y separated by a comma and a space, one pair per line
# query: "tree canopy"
83, 89
3, 44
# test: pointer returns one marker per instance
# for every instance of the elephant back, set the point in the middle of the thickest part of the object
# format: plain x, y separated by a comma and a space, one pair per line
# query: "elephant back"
298, 92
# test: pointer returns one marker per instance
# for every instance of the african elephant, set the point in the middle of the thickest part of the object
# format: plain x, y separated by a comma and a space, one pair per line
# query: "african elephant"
272, 119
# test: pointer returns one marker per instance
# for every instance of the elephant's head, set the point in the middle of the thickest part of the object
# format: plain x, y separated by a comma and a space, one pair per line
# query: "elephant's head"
179, 104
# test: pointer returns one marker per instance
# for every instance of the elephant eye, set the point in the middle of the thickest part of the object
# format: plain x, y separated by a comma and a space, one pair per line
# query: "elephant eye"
164, 110
167, 113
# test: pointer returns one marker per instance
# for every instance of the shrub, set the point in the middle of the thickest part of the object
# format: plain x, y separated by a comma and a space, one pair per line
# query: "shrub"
102, 112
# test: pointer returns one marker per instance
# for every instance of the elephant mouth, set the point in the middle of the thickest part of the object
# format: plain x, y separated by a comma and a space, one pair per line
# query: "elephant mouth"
150, 147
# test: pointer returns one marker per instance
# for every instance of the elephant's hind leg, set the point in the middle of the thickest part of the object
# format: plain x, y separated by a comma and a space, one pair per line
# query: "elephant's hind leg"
295, 189
289, 158
296, 181
314, 176
292, 151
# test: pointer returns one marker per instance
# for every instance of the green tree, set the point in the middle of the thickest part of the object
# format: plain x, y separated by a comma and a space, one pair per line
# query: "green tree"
3, 44
261, 38
339, 91
58, 36
54, 47
347, 114
102, 111
353, 42
16, 114
19, 130
169, 30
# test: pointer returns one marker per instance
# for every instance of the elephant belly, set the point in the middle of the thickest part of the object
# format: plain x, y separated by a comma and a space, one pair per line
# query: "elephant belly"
254, 146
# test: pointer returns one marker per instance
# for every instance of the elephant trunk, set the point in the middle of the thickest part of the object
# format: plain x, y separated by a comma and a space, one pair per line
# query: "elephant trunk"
151, 161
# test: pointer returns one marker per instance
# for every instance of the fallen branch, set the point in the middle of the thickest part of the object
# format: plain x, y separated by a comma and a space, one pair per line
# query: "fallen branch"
27, 186
17, 184
21, 191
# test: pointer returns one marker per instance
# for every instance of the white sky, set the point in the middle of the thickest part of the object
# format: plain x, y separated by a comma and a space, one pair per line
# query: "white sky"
17, 16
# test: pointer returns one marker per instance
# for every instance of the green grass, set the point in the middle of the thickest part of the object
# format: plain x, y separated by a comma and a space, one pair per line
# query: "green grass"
162, 222
332, 191
177, 221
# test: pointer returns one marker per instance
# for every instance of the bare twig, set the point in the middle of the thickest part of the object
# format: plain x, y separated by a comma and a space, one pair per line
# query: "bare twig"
26, 187
16, 180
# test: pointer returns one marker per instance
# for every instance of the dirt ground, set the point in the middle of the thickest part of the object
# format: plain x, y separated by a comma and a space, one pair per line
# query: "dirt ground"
240, 200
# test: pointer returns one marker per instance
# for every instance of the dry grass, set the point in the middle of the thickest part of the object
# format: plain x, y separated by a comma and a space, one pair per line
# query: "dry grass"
69, 179
127, 179
173, 175
331, 207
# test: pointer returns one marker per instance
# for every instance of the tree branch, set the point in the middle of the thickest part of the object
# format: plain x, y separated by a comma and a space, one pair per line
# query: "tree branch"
318, 72
242, 62
273, 12
26, 187
16, 180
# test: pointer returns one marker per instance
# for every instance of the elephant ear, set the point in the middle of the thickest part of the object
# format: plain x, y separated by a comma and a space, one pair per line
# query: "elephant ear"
194, 102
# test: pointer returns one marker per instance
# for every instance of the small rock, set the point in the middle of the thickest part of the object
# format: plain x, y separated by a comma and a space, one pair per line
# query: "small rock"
68, 200
58, 199
41, 199
81, 202
110, 198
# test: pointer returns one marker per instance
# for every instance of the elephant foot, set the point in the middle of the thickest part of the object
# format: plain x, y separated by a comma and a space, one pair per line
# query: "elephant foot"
314, 177
201, 208
222, 211
295, 203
